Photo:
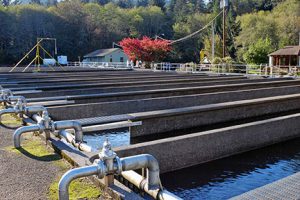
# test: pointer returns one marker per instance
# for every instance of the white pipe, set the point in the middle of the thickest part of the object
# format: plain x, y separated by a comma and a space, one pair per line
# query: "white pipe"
140, 182
71, 139
37, 118
67, 178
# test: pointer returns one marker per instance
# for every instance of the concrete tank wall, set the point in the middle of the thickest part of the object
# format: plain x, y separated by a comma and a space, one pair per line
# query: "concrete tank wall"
142, 105
182, 118
115, 82
188, 150
106, 89
119, 96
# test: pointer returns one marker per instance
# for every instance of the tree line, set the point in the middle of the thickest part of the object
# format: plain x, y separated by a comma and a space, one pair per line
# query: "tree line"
83, 26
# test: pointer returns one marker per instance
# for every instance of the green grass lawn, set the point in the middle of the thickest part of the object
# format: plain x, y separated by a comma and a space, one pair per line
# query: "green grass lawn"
35, 148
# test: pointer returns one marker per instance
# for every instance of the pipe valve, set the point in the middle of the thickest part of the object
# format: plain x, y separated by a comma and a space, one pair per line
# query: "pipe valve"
5, 94
109, 164
46, 123
109, 159
20, 105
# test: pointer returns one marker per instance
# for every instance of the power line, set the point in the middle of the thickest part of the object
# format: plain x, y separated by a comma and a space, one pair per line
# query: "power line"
196, 32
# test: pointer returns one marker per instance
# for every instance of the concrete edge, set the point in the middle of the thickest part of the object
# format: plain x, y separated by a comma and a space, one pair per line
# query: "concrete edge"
78, 159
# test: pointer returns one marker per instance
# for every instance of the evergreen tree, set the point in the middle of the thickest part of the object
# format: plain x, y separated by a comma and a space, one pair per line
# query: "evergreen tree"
158, 3
124, 3
142, 3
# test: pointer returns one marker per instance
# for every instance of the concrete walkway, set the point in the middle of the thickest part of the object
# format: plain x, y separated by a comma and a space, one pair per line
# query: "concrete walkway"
283, 189
23, 177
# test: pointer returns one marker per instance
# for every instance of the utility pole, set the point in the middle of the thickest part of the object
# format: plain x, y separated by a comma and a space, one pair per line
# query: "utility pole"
223, 5
213, 41
224, 34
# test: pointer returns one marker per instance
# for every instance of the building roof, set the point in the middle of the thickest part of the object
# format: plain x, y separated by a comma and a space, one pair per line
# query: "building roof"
287, 51
101, 52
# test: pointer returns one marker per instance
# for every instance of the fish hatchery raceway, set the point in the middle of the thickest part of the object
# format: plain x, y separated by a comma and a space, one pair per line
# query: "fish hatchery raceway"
183, 120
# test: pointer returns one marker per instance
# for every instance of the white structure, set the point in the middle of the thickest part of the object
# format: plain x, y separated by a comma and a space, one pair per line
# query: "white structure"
63, 60
49, 61
106, 55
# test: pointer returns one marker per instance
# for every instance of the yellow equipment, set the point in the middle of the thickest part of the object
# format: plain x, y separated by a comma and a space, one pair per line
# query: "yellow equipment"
37, 59
202, 54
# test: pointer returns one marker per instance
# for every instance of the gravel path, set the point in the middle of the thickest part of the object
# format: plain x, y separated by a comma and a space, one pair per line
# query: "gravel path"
22, 177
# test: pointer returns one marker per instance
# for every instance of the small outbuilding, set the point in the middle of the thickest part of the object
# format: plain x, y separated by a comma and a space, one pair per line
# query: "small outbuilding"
106, 55
287, 56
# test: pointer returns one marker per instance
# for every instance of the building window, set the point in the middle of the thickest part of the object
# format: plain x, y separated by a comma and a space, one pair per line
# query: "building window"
110, 60
121, 59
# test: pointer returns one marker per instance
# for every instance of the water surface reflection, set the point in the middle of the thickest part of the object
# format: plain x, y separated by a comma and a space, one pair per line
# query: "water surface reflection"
235, 175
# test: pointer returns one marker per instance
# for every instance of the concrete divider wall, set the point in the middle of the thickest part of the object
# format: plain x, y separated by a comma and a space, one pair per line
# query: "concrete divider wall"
116, 82
188, 150
142, 105
123, 78
107, 89
182, 118
261, 83
119, 96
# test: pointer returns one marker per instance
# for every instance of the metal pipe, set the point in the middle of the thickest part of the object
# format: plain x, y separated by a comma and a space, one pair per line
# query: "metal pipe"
16, 98
109, 164
25, 129
67, 178
27, 110
140, 182
144, 161
71, 124
34, 109
68, 136
71, 139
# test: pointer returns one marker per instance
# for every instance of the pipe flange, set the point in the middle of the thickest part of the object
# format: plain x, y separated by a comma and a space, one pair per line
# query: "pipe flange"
119, 165
102, 169
143, 184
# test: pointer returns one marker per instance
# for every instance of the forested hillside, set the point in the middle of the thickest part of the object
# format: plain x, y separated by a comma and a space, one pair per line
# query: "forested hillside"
253, 26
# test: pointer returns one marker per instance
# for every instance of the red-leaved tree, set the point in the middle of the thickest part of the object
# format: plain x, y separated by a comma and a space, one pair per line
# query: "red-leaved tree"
145, 49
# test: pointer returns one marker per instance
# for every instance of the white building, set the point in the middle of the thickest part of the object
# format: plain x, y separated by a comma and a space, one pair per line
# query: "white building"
106, 55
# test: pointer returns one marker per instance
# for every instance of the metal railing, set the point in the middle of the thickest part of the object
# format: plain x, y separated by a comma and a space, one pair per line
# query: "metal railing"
225, 68
165, 66
101, 65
